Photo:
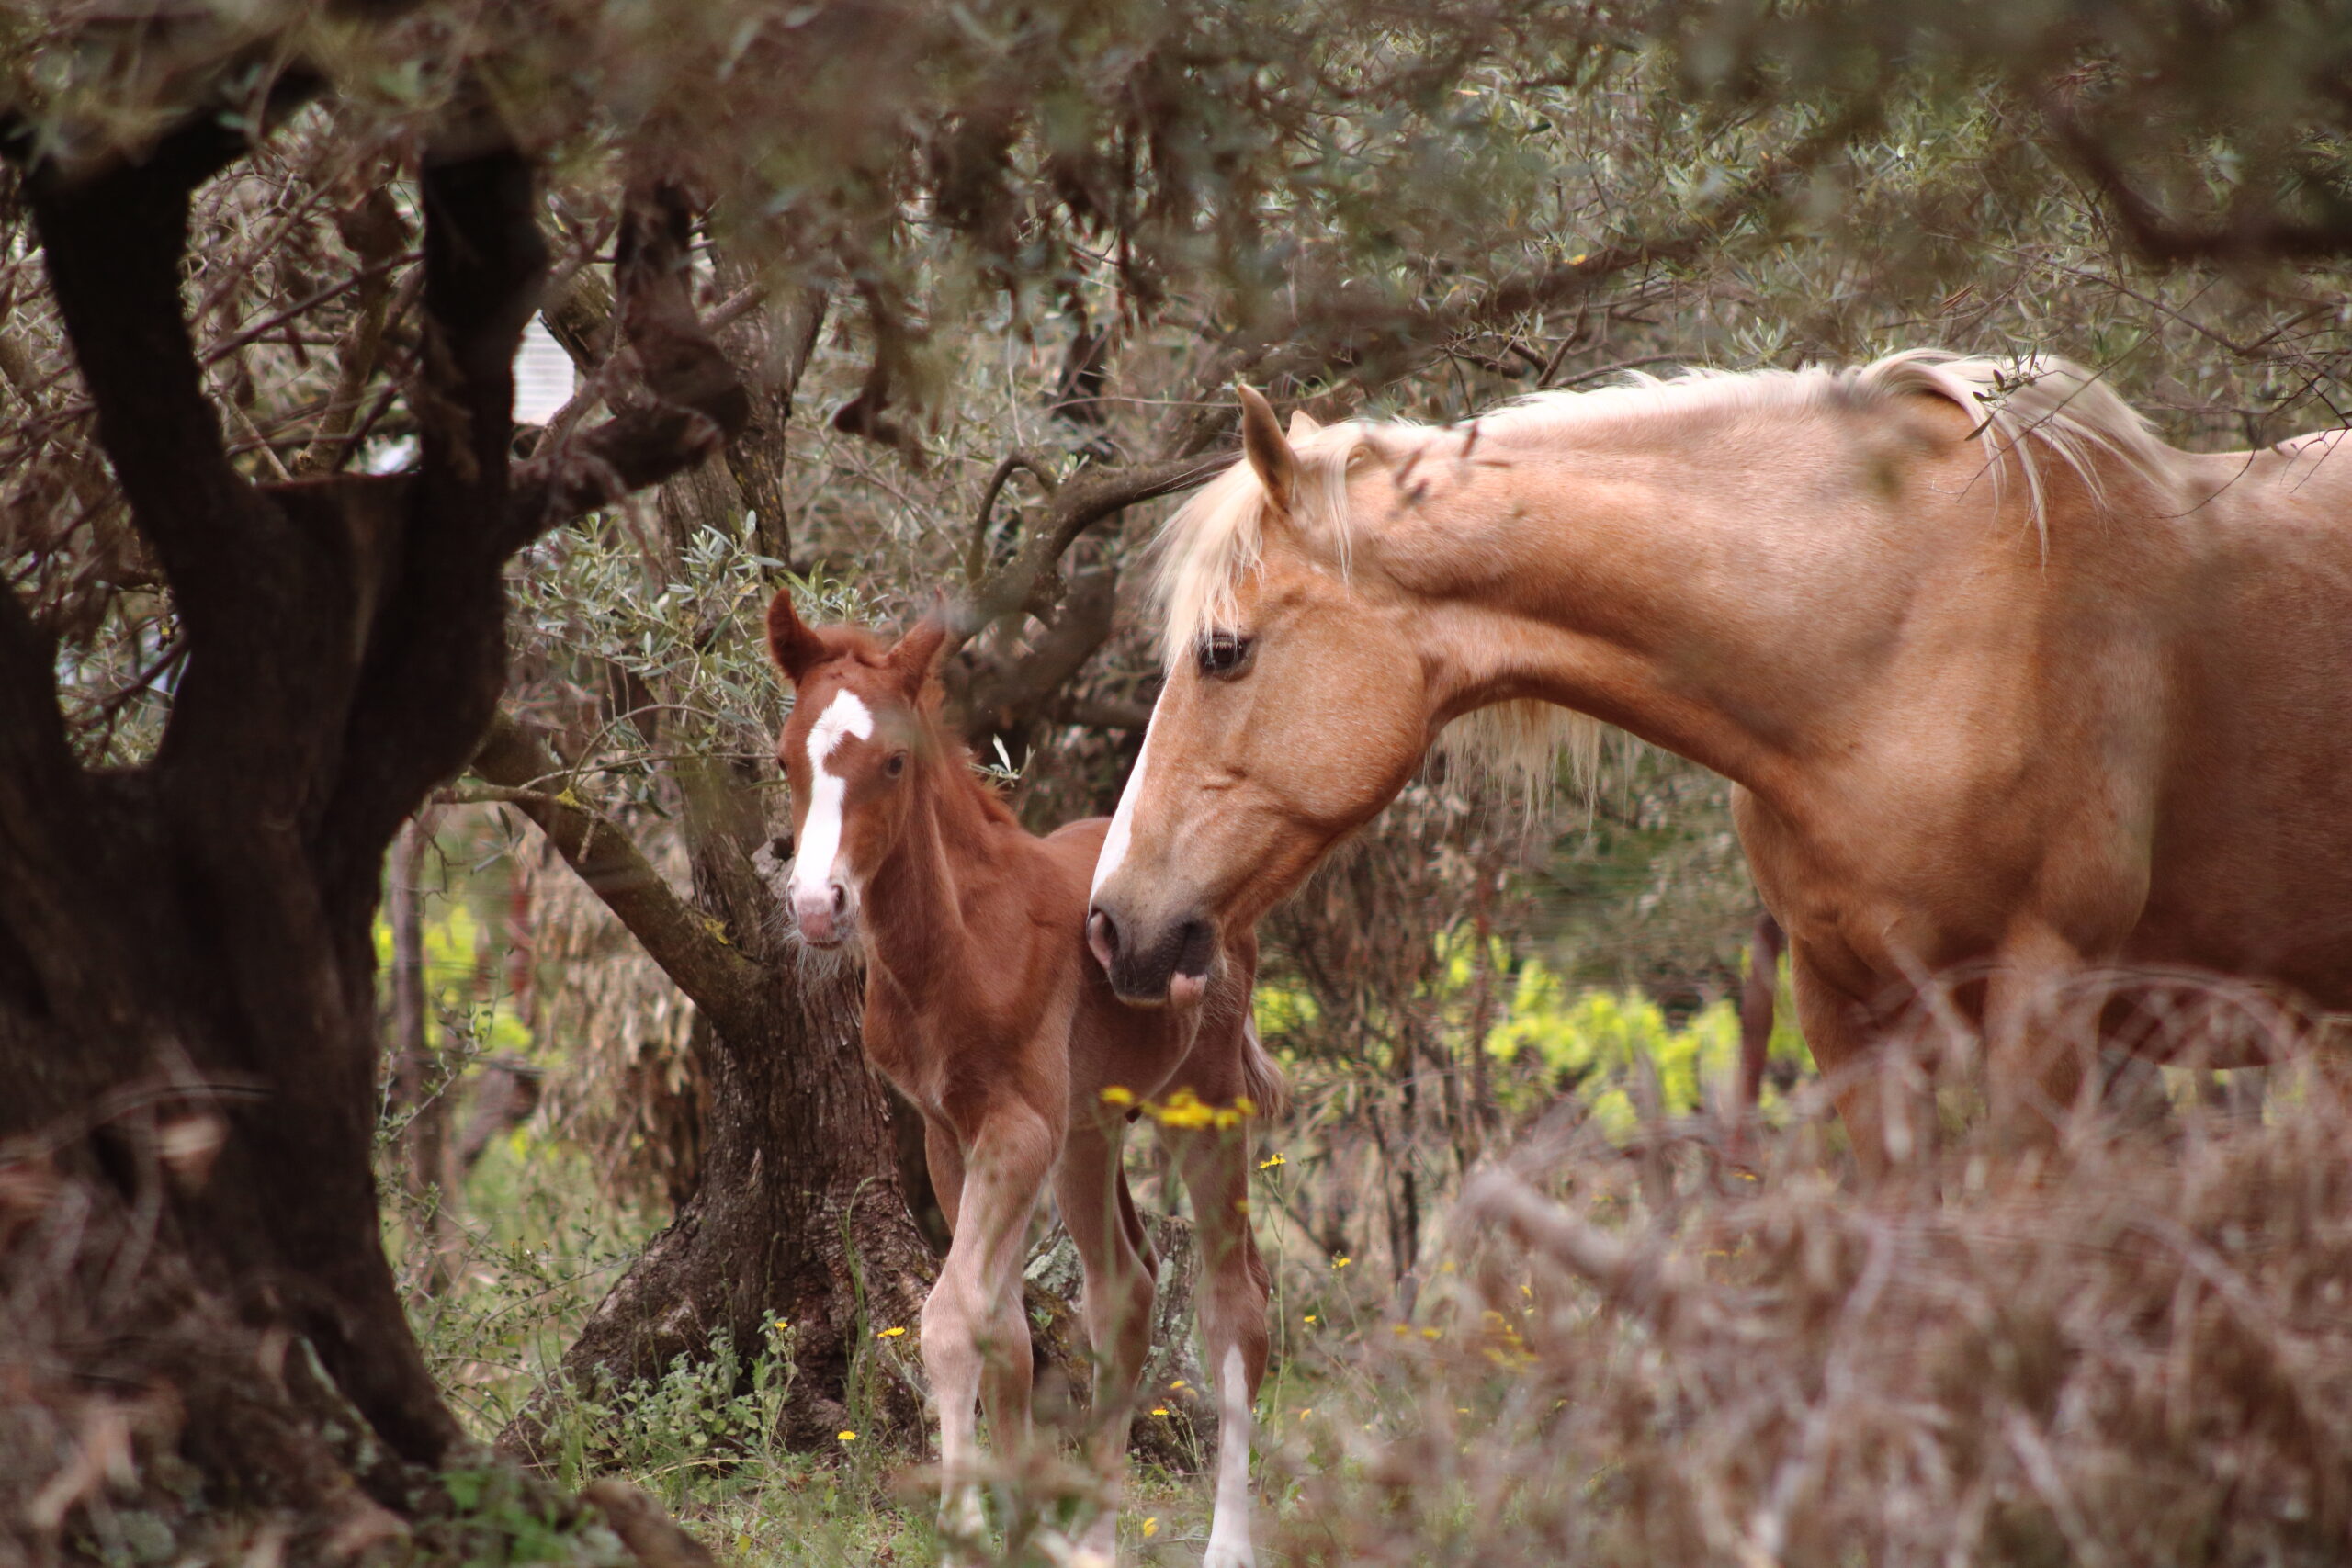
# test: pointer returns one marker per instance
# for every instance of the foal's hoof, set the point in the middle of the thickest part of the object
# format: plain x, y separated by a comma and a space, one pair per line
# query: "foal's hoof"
1098, 1548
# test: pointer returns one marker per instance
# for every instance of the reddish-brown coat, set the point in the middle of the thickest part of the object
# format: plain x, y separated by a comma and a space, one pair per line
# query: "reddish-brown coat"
984, 1007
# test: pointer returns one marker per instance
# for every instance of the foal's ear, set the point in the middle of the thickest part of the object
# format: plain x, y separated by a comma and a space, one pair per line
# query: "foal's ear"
1269, 452
1302, 425
796, 648
918, 651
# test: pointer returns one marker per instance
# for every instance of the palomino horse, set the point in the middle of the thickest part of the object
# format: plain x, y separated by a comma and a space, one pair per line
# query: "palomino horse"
983, 1006
2014, 695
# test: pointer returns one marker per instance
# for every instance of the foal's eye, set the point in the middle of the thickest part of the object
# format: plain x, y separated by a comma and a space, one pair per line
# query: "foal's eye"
1221, 653
893, 764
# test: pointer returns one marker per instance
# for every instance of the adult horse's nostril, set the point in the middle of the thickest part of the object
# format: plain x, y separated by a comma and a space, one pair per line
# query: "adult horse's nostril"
840, 897
1102, 937
1195, 946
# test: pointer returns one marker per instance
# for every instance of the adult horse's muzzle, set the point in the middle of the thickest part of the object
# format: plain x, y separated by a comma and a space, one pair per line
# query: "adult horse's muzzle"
1151, 962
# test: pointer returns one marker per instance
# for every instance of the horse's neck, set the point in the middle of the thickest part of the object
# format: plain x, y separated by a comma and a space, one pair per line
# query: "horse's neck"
915, 898
1692, 598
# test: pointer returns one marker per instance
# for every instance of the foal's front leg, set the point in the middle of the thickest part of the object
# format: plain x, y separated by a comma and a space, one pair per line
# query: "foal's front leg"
975, 1338
1118, 1300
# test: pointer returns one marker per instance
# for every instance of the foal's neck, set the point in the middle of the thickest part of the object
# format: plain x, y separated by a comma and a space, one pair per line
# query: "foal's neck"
953, 848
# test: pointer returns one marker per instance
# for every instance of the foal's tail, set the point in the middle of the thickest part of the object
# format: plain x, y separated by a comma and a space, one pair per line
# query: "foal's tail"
1261, 1076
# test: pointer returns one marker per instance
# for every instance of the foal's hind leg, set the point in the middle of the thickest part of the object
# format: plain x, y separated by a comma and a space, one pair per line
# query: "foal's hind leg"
975, 1338
1091, 1189
1232, 1295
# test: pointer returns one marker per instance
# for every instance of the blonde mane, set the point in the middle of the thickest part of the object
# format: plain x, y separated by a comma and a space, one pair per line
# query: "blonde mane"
2029, 410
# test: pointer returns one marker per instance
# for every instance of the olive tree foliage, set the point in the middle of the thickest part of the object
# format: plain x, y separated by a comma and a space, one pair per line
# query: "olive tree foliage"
896, 297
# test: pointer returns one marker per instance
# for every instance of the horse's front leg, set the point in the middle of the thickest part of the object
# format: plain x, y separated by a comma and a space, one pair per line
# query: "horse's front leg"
943, 1156
2040, 1036
1095, 1207
1837, 1032
975, 1338
1232, 1296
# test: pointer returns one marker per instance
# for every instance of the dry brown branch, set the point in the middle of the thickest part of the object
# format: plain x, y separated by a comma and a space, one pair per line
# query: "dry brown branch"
691, 952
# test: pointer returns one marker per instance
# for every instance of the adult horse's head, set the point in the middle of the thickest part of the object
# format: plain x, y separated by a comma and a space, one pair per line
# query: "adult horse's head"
854, 747
1305, 678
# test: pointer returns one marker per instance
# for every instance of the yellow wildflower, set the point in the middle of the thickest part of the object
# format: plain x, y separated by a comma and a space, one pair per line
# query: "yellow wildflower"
1151, 1526
1341, 1263
888, 1333
1270, 1164
846, 1436
1159, 1410
1115, 1095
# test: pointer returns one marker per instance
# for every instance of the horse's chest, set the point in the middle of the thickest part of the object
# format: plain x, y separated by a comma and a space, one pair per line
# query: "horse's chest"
946, 1060
1874, 898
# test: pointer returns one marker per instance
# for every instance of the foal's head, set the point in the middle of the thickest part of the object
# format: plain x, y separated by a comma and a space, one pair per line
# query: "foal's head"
860, 734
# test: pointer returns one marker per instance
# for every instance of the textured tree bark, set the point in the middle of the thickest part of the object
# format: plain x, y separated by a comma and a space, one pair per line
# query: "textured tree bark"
800, 1218
189, 1236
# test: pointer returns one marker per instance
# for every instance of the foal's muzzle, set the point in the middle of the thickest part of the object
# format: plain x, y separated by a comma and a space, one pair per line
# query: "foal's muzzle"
826, 914
1152, 961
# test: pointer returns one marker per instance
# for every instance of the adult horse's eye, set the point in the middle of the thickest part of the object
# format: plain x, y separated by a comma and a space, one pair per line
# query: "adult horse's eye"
894, 765
1222, 654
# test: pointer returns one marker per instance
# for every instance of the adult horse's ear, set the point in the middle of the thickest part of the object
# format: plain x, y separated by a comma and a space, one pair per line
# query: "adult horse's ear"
796, 648
1268, 450
918, 651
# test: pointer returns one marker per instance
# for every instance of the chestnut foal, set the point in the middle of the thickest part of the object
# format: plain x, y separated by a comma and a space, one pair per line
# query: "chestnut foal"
984, 1007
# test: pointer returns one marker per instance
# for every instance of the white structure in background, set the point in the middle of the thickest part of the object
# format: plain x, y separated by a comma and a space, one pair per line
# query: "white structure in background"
544, 382
544, 378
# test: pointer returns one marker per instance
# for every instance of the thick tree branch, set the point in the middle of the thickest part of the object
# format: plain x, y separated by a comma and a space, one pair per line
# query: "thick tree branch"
1101, 713
113, 241
698, 402
483, 261
975, 554
1006, 700
46, 834
1093, 495
2260, 234
711, 971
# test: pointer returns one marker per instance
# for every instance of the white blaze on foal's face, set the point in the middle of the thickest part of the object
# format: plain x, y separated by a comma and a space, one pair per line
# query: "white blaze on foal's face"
821, 886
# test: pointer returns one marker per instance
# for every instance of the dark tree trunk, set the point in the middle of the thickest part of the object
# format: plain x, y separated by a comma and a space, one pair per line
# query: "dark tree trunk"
188, 1226
800, 1218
